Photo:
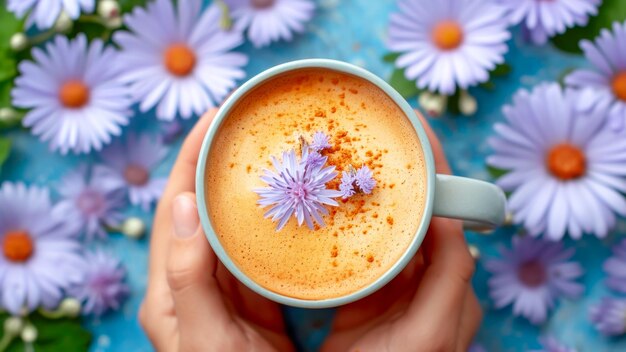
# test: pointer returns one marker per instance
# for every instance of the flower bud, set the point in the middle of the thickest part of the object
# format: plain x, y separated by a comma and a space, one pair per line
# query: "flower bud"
63, 23
29, 333
7, 114
508, 219
474, 252
433, 104
108, 9
467, 104
19, 41
114, 22
69, 307
133, 227
13, 326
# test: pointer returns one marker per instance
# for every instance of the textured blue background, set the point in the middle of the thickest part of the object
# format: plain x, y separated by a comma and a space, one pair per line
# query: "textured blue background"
354, 31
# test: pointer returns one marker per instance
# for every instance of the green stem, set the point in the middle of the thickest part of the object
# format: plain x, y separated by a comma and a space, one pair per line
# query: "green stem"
41, 37
6, 341
51, 315
92, 19
226, 21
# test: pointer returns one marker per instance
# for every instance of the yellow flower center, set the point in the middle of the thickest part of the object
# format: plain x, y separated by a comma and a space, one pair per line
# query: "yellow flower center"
619, 85
74, 94
447, 35
180, 60
18, 246
566, 162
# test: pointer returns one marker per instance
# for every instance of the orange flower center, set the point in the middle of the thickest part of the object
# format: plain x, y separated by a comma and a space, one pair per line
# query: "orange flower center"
262, 4
74, 94
566, 162
18, 246
532, 274
136, 175
180, 60
447, 35
619, 85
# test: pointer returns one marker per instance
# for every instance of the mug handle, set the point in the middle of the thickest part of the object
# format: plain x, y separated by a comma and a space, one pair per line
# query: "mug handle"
481, 205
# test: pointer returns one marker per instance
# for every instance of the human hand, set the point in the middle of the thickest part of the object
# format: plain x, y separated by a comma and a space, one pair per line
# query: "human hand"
192, 302
429, 306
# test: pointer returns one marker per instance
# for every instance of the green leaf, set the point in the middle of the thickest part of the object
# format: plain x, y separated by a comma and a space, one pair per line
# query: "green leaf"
128, 5
54, 335
501, 70
406, 88
391, 57
5, 150
453, 103
8, 66
10, 25
5, 93
495, 172
489, 85
610, 11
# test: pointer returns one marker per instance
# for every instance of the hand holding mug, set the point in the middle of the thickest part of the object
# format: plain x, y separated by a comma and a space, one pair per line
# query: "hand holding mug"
192, 302
429, 306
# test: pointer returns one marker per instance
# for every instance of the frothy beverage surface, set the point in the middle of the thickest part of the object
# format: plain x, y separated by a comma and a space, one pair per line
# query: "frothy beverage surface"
365, 235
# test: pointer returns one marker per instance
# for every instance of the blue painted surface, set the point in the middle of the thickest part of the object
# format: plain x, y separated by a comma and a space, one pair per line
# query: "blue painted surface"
354, 31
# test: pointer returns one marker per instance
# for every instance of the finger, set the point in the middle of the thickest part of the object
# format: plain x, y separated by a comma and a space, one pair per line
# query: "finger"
181, 180
441, 293
160, 329
471, 318
441, 162
191, 266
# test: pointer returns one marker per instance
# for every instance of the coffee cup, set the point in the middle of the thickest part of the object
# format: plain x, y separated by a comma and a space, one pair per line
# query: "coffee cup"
285, 269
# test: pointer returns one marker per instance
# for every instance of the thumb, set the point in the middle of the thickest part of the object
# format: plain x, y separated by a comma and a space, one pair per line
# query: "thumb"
191, 267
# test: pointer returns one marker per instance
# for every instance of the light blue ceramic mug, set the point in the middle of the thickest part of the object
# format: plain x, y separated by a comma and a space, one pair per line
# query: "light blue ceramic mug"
480, 204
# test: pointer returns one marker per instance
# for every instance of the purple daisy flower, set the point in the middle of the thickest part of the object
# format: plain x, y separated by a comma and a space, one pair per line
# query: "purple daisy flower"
103, 288
179, 60
315, 159
532, 275
320, 141
550, 344
346, 187
353, 180
130, 168
566, 171
543, 19
364, 179
605, 87
268, 21
609, 316
78, 101
615, 267
448, 43
40, 255
44, 13
92, 200
297, 188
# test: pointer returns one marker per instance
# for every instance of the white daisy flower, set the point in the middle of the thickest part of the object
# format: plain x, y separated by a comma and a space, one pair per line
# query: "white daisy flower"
44, 13
566, 170
267, 21
179, 60
448, 43
76, 98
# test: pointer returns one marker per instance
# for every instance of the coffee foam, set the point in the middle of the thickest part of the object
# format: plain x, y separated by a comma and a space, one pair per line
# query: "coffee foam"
363, 237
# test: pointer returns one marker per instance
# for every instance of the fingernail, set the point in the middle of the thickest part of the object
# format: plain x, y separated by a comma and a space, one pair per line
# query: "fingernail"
185, 216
